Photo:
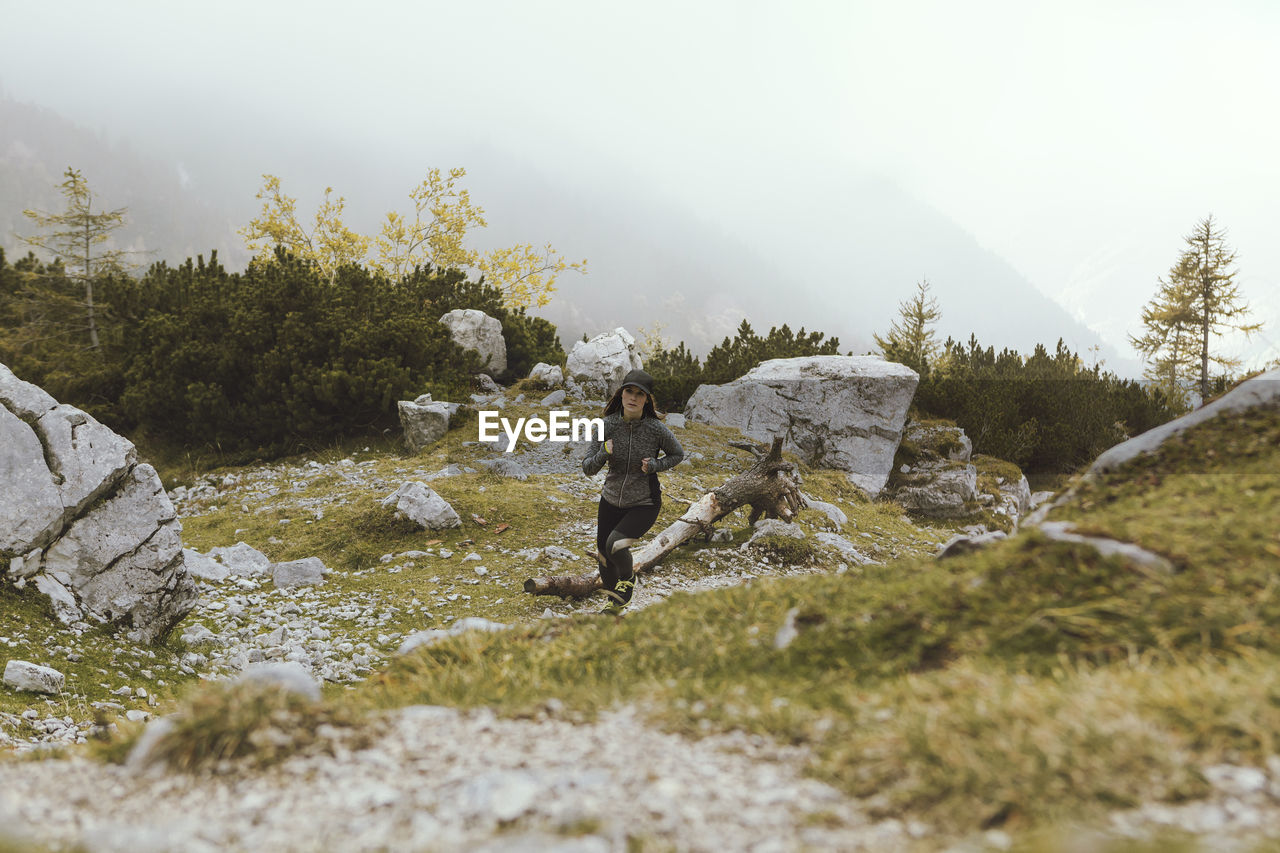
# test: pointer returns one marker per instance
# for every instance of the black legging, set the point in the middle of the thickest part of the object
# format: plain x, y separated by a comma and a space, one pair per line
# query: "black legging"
613, 526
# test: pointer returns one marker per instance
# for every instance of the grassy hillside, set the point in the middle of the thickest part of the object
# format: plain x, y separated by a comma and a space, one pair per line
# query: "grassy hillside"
1026, 683
1017, 687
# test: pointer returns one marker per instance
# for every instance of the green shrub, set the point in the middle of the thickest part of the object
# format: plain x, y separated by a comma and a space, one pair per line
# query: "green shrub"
678, 373
1046, 413
278, 357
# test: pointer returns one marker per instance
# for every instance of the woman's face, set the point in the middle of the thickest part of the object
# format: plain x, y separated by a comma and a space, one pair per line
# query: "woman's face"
633, 400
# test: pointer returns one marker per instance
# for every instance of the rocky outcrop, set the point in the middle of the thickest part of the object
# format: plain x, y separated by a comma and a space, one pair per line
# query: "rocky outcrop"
841, 412
937, 478
938, 481
595, 368
85, 521
1262, 391
476, 330
425, 421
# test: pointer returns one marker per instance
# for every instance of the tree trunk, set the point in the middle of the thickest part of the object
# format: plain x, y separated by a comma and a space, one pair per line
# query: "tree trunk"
88, 291
771, 487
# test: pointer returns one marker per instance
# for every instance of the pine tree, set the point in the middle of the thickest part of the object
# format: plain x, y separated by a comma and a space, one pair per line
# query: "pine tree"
77, 239
1168, 342
1199, 302
910, 340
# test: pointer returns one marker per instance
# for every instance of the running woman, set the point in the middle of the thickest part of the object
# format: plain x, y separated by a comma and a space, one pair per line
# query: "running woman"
631, 498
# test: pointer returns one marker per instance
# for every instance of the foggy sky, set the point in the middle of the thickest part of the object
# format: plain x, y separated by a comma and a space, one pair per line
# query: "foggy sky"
1079, 141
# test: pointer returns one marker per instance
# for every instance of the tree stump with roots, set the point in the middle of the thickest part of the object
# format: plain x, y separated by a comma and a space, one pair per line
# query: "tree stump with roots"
771, 487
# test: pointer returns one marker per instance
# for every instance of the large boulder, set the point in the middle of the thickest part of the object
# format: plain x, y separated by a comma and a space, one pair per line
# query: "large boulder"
85, 521
595, 368
476, 330
841, 412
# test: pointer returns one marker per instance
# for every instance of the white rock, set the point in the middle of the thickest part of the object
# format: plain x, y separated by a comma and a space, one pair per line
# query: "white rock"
502, 796
425, 423
64, 603
431, 636
428, 637
841, 412
557, 552
595, 368
290, 676
308, 571
203, 567
506, 467
476, 330
197, 633
946, 491
555, 398
787, 632
1235, 781
243, 559
549, 374
144, 753
420, 504
776, 527
844, 546
964, 543
831, 511
476, 623
32, 677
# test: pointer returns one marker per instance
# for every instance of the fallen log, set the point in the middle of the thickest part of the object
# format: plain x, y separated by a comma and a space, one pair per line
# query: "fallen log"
771, 487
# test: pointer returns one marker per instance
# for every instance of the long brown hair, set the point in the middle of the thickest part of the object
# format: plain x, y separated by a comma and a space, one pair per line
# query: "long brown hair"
650, 407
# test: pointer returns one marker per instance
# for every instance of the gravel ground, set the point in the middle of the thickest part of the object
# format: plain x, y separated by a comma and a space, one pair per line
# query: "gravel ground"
440, 779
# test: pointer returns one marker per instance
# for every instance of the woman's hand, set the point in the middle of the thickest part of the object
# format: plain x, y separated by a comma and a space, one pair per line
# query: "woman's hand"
644, 464
608, 446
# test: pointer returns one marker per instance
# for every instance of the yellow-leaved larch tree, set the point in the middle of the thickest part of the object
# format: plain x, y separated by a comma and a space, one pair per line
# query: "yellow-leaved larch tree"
434, 233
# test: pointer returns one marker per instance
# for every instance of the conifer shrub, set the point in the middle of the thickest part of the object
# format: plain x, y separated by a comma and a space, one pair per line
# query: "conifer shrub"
678, 372
1045, 413
277, 357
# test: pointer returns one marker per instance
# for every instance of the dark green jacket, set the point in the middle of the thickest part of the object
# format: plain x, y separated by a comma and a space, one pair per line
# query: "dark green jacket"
626, 485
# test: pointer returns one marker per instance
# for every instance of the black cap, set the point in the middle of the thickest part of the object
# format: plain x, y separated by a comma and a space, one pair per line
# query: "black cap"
639, 379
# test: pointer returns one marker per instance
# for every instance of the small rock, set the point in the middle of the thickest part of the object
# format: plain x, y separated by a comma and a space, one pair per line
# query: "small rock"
788, 632
204, 567
290, 676
308, 571
555, 398
242, 559
33, 678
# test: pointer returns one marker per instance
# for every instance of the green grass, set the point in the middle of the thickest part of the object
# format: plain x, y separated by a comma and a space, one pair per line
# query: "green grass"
95, 664
248, 723
1025, 684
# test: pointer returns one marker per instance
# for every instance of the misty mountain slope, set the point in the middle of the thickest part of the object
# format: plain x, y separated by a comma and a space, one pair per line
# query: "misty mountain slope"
865, 242
837, 255
166, 219
834, 253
